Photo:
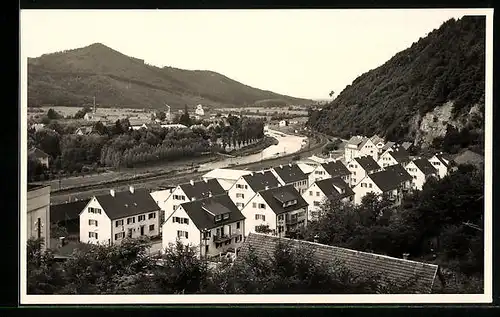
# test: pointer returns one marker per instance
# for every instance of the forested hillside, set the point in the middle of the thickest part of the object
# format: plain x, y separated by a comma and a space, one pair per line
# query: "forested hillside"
72, 78
401, 98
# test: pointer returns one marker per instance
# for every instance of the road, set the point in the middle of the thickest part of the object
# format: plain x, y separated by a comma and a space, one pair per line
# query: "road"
155, 182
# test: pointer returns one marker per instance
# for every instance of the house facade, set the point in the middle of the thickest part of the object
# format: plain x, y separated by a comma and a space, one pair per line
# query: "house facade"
393, 182
442, 163
214, 225
337, 169
199, 110
190, 192
393, 156
282, 209
360, 167
378, 141
360, 146
291, 174
38, 213
108, 219
328, 189
247, 186
420, 170
41, 156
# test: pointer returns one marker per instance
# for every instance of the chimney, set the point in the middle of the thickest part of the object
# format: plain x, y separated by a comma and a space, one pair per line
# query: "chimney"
267, 187
290, 164
131, 189
112, 192
406, 255
191, 182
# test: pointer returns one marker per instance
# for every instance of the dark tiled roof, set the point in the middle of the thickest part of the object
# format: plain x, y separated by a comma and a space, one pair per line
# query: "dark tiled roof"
67, 211
38, 153
197, 211
390, 178
376, 139
400, 155
126, 204
425, 166
442, 157
397, 270
259, 180
355, 140
203, 189
336, 169
290, 173
367, 163
274, 196
327, 186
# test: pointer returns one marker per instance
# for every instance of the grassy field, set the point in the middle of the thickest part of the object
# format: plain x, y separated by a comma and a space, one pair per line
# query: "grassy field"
265, 111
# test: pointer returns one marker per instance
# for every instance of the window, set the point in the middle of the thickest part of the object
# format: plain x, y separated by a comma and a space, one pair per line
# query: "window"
92, 222
151, 227
317, 194
354, 173
260, 217
370, 185
180, 220
414, 176
118, 223
310, 193
182, 234
239, 205
152, 215
225, 216
316, 204
93, 210
218, 218
281, 217
262, 206
239, 186
354, 180
240, 195
120, 235
179, 197
93, 235
130, 220
238, 225
254, 205
141, 218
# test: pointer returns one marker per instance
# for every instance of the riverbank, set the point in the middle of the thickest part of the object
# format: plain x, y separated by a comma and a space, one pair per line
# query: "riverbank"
258, 147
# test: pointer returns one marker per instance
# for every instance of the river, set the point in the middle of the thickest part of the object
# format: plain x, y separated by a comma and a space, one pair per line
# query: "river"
287, 144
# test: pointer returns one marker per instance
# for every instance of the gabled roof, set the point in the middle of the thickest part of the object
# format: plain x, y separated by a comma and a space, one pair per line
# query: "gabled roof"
376, 139
444, 158
225, 173
406, 145
67, 211
202, 189
260, 180
336, 169
395, 269
306, 168
388, 145
274, 197
38, 153
425, 166
355, 140
199, 211
367, 163
328, 185
390, 178
290, 173
127, 204
400, 154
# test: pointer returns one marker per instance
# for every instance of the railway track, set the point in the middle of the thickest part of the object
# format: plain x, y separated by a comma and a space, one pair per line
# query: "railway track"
168, 179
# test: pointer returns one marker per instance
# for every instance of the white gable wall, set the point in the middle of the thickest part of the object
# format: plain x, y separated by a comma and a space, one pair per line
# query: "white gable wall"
365, 186
173, 201
252, 209
386, 159
319, 173
240, 193
103, 228
442, 169
357, 172
169, 230
315, 197
369, 149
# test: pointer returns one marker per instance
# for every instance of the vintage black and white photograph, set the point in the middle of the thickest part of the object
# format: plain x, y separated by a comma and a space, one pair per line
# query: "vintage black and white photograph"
256, 156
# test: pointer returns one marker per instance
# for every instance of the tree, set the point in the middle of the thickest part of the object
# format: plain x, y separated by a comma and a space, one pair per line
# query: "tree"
52, 114
80, 114
161, 115
43, 275
185, 119
331, 94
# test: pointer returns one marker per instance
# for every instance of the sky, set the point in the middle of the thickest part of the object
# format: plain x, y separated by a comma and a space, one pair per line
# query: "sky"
301, 53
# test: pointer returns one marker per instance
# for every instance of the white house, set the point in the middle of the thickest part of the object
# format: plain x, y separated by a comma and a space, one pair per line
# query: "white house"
199, 110
214, 225
83, 130
249, 185
159, 197
291, 174
360, 146
324, 190
38, 213
393, 156
190, 192
360, 167
108, 219
282, 209
378, 141
226, 177
442, 163
387, 146
393, 182
420, 170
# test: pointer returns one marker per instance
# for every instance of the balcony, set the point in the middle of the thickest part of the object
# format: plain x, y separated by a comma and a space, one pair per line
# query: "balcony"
226, 237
